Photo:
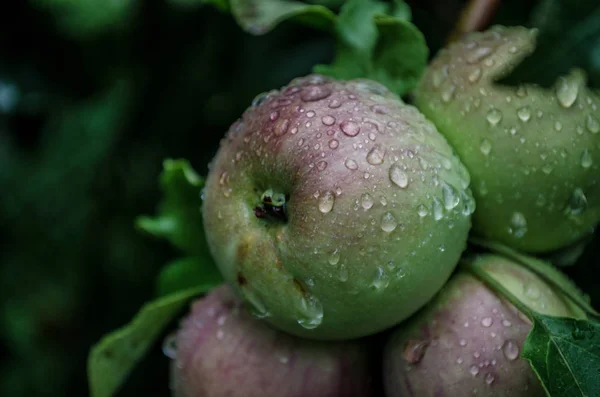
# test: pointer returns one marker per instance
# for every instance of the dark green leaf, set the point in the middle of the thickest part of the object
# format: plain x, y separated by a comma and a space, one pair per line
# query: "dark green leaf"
179, 218
113, 358
190, 272
261, 16
565, 353
569, 37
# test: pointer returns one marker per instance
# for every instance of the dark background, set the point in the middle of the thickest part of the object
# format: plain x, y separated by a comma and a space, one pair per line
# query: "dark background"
92, 99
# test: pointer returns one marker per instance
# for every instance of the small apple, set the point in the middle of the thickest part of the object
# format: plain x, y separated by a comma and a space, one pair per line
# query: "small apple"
533, 153
335, 209
468, 340
221, 351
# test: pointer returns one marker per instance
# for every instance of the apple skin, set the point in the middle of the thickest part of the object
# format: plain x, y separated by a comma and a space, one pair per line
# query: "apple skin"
468, 340
222, 351
377, 208
533, 153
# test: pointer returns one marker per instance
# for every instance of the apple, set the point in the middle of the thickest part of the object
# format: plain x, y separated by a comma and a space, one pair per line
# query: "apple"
222, 351
334, 209
468, 339
533, 153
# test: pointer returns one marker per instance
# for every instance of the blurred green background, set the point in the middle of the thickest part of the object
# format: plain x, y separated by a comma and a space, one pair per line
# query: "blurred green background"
93, 96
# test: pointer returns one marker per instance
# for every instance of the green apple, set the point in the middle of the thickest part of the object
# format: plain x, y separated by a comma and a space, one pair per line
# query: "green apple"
334, 209
533, 153
221, 351
468, 340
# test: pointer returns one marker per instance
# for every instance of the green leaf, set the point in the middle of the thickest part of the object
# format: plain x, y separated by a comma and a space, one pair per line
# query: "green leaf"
388, 49
565, 353
569, 37
179, 217
115, 356
189, 272
261, 16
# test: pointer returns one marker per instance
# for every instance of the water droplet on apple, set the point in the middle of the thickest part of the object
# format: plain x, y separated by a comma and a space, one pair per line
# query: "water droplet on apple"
510, 350
366, 201
315, 92
388, 222
380, 280
328, 120
351, 164
326, 202
375, 155
349, 128
397, 176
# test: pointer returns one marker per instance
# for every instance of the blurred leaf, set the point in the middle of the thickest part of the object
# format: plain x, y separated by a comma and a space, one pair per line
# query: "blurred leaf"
569, 37
115, 356
190, 272
377, 46
261, 16
179, 218
565, 354
88, 18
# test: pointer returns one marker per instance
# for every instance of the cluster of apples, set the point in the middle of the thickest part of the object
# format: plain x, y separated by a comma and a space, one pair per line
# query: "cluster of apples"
338, 214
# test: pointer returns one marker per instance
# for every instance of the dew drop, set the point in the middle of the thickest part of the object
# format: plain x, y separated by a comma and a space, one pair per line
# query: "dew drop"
478, 54
474, 370
462, 342
397, 176
366, 201
310, 114
343, 274
566, 92
577, 203
333, 144
506, 323
375, 155
282, 127
422, 210
474, 75
510, 350
448, 93
311, 312
558, 126
326, 202
518, 224
334, 258
349, 128
328, 120
489, 378
524, 113
494, 116
321, 165
450, 196
334, 104
532, 292
486, 322
388, 222
380, 280
315, 93
351, 164
485, 146
438, 210
592, 124
274, 116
